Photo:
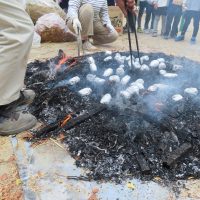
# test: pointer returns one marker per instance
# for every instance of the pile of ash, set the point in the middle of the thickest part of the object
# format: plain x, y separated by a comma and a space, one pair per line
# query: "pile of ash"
120, 121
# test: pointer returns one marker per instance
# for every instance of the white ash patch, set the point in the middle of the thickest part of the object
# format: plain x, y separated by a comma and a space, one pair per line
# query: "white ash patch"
107, 58
154, 63
177, 97
106, 99
119, 58
99, 81
120, 71
137, 65
108, 72
162, 72
162, 65
155, 87
93, 66
125, 80
145, 58
90, 77
74, 80
177, 67
108, 52
170, 75
161, 60
85, 91
191, 91
144, 67
114, 79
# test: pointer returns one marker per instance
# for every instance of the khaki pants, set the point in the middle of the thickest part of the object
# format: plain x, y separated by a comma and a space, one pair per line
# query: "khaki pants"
99, 33
16, 34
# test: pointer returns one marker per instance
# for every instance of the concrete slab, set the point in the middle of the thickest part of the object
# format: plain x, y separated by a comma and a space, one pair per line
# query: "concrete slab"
44, 170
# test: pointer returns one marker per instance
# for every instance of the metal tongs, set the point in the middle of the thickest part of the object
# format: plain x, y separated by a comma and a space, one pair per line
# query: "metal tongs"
131, 24
79, 43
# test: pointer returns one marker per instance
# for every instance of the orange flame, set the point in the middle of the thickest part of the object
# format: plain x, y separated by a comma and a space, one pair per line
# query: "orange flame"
65, 120
62, 61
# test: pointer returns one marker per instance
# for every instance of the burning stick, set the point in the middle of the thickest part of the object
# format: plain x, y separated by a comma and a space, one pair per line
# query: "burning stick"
68, 122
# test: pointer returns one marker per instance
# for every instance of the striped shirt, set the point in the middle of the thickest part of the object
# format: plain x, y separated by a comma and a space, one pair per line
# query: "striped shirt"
100, 9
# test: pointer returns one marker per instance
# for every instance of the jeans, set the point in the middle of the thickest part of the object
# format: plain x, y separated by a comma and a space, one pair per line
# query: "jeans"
196, 19
111, 2
149, 16
143, 5
173, 18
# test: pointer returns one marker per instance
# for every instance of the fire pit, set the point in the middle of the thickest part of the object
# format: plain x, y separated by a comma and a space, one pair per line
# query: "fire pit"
119, 121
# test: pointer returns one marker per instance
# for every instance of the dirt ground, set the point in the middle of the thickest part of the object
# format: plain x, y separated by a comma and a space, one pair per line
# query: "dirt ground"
147, 44
10, 186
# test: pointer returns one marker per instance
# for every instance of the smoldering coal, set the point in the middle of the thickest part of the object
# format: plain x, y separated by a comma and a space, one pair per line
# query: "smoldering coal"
134, 133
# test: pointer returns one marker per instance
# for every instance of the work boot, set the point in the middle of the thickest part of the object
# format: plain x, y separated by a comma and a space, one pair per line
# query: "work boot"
88, 46
26, 98
12, 123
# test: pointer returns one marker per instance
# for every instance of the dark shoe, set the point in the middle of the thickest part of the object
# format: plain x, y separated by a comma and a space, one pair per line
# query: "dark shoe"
12, 123
26, 98
179, 38
193, 40
166, 37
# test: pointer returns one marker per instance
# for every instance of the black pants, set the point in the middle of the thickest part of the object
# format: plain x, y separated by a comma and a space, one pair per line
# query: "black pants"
149, 16
173, 16
196, 19
143, 6
111, 2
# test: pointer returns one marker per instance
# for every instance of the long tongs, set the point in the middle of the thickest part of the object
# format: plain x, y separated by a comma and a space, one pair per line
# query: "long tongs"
79, 43
131, 24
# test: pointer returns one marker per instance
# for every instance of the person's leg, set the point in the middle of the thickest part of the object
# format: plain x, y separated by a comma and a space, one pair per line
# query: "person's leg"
86, 17
163, 25
111, 2
177, 19
187, 17
155, 25
102, 35
196, 18
148, 16
152, 17
16, 35
168, 24
141, 12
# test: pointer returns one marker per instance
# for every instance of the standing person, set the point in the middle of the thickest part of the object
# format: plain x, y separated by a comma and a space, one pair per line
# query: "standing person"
127, 4
174, 13
192, 10
150, 15
16, 35
142, 7
92, 19
130, 5
111, 2
160, 7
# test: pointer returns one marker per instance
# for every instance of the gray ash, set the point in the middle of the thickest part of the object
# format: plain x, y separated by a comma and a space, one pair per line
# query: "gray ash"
146, 136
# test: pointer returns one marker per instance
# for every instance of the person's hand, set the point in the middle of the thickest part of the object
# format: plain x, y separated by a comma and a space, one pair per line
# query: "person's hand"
130, 4
76, 25
155, 5
110, 28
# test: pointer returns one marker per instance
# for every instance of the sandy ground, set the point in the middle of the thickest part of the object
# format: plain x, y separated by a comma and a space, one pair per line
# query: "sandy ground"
147, 44
10, 188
